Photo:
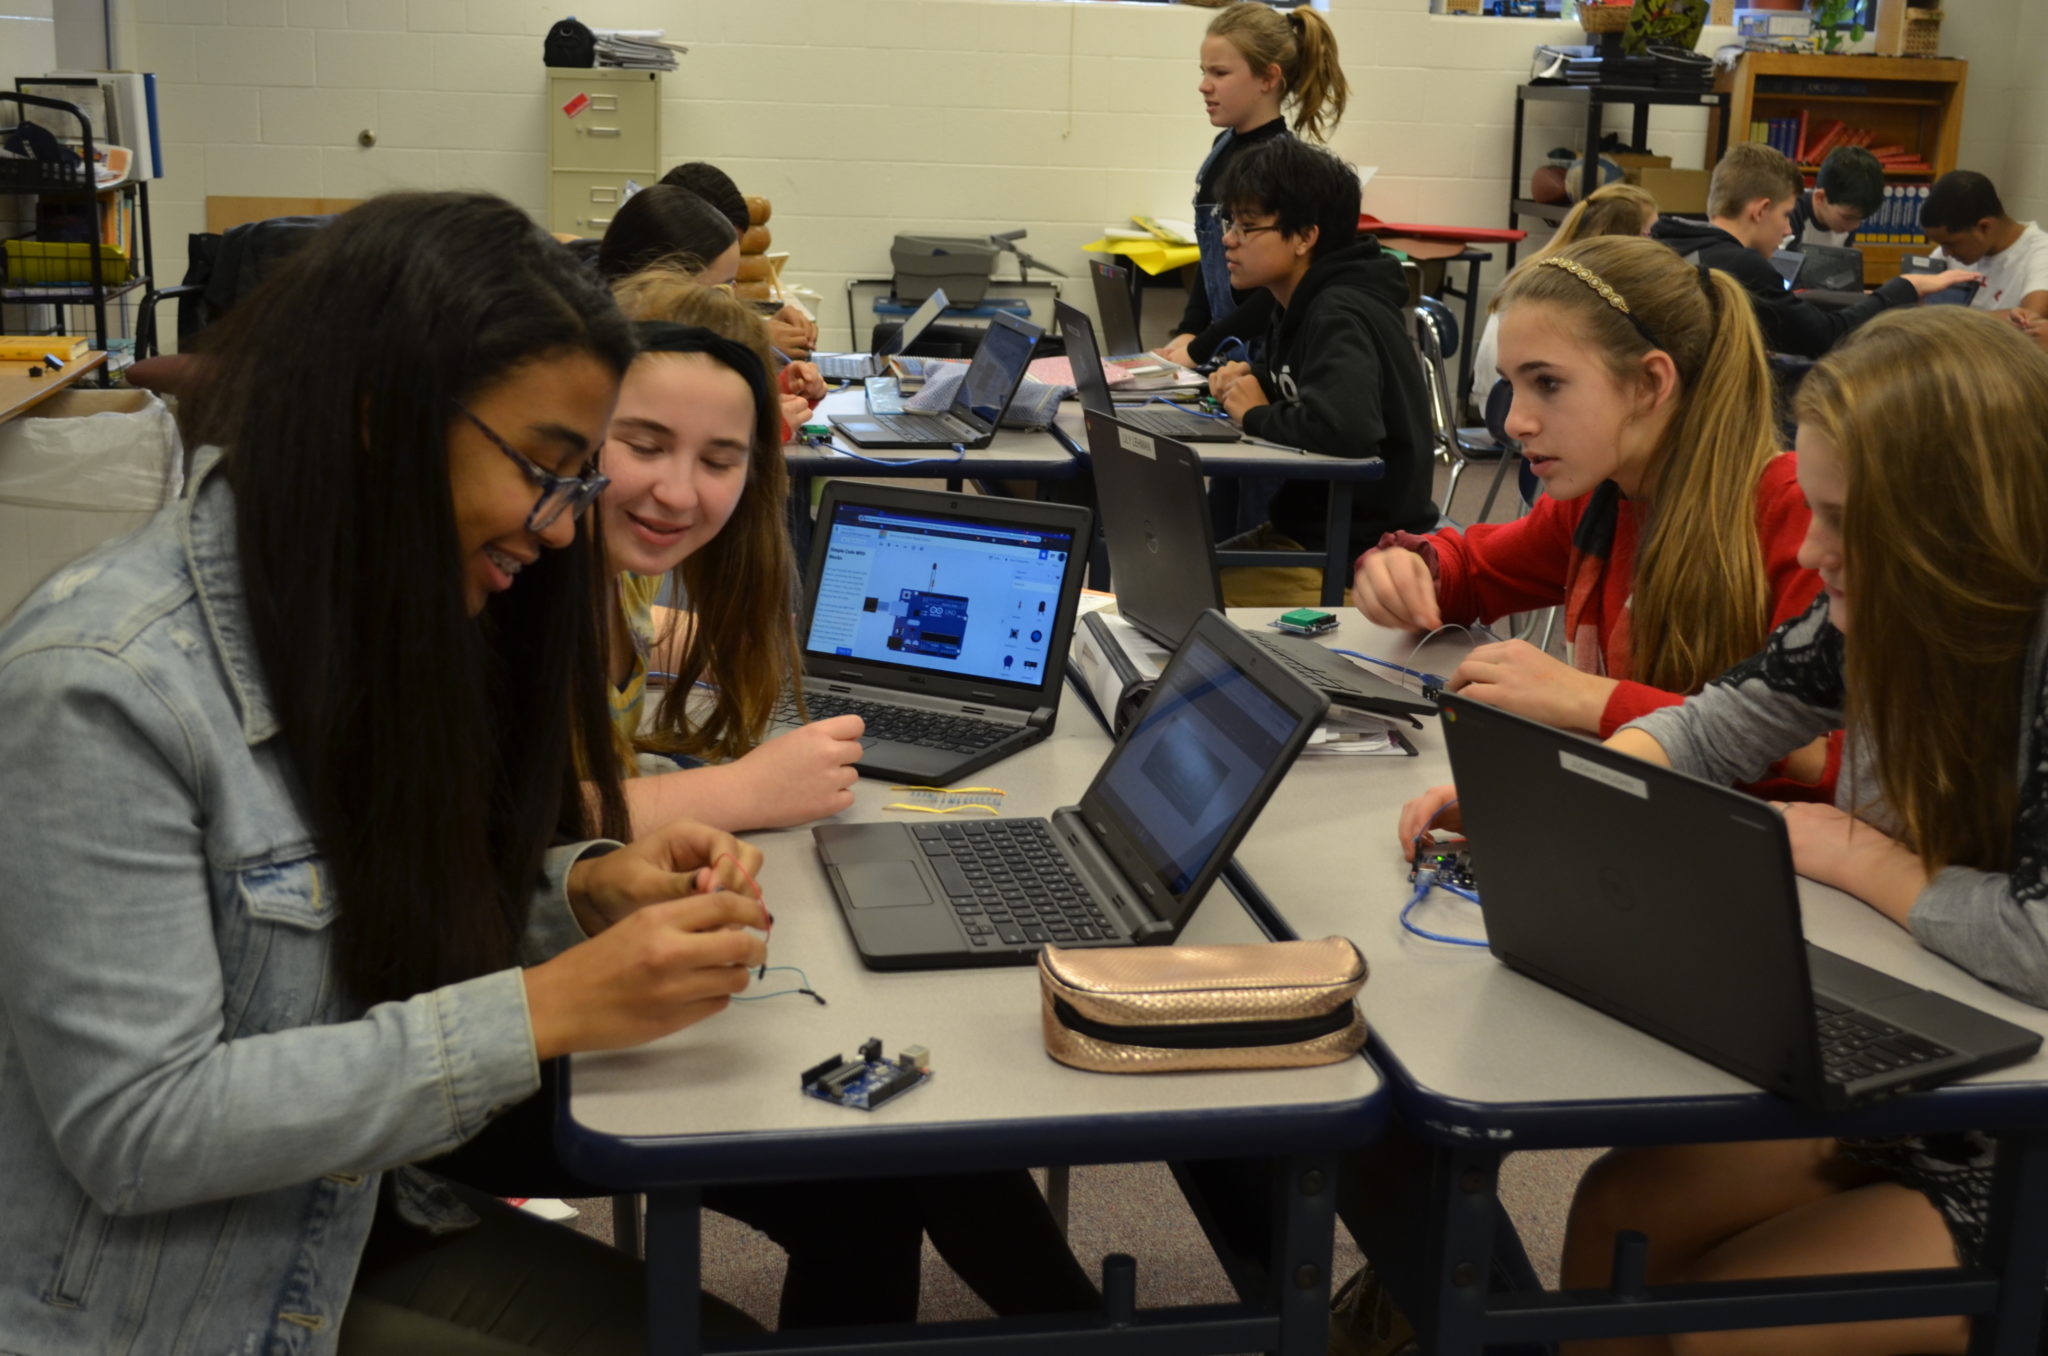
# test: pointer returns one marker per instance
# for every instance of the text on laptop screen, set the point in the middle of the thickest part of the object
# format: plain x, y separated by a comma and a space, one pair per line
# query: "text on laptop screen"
1194, 760
959, 596
992, 376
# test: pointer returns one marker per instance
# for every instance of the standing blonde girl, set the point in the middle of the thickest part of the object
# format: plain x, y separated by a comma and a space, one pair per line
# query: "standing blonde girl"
1259, 66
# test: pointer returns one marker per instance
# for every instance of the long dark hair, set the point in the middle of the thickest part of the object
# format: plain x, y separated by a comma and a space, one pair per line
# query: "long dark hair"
658, 222
435, 755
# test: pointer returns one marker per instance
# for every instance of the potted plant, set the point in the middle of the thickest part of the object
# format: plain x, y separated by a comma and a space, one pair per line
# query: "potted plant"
1833, 19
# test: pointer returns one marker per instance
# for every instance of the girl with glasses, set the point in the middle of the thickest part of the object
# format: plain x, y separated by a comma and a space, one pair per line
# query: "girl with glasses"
307, 798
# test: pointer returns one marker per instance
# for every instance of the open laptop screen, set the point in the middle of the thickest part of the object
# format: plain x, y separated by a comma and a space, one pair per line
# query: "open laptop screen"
914, 325
1084, 359
992, 377
1113, 304
959, 595
1179, 781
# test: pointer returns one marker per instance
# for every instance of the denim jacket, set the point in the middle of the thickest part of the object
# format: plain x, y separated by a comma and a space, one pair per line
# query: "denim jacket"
193, 1120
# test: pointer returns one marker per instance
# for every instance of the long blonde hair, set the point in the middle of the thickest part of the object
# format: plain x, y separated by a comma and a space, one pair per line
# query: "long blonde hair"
1302, 45
740, 584
1611, 209
1701, 599
1937, 415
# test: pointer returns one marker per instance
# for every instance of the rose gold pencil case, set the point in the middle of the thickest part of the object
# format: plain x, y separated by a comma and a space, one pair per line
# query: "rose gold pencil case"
1165, 1009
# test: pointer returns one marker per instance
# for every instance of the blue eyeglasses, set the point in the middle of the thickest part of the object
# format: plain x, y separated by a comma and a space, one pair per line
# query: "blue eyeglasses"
558, 494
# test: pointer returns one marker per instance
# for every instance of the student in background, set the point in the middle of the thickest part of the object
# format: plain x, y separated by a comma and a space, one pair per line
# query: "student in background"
663, 293
1965, 219
1339, 375
1847, 192
1930, 647
1669, 528
791, 332
1257, 64
1750, 198
343, 701
662, 222
1611, 209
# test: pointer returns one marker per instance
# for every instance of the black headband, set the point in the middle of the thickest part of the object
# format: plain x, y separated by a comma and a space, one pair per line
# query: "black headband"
662, 336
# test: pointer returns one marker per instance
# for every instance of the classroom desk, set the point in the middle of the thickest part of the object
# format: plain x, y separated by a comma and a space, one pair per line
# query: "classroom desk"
1253, 459
1014, 454
1482, 1061
20, 393
719, 1103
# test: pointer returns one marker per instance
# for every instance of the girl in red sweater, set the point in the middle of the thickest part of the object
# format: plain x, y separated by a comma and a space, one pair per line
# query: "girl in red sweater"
1670, 526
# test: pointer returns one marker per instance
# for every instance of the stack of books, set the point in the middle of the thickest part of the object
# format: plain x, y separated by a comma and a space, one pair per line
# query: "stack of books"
1807, 143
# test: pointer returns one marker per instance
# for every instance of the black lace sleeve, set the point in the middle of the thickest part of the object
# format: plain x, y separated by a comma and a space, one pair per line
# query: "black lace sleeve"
1802, 659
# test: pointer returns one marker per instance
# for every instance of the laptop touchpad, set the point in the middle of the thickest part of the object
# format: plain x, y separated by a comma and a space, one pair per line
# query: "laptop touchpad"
880, 885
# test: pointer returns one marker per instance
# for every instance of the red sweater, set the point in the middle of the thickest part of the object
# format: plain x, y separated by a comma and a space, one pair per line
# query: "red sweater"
1494, 569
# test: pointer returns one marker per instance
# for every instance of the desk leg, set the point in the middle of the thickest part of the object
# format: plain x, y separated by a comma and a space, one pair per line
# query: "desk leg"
675, 1310
1300, 1271
1337, 543
2015, 1247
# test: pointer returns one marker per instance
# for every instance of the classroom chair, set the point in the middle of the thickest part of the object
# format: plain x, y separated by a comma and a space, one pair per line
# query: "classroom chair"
1436, 335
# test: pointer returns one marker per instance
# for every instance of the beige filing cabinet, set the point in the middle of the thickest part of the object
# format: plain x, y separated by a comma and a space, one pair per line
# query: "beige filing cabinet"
604, 127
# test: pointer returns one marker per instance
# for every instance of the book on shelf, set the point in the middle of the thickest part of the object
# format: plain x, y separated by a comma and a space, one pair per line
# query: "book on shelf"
30, 348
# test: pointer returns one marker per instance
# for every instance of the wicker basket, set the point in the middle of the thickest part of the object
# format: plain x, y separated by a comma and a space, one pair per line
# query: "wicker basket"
1923, 32
1596, 18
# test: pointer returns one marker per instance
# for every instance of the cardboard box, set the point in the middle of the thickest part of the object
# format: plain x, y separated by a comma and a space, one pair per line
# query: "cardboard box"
1681, 191
1632, 166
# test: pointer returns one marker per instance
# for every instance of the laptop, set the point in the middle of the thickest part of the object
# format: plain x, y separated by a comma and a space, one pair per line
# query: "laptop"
1959, 295
942, 620
1831, 268
1120, 326
1085, 359
1155, 524
1125, 867
1670, 903
861, 366
986, 391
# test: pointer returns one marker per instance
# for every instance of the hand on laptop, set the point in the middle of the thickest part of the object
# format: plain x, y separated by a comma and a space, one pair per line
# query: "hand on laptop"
1924, 283
1393, 587
804, 774
1422, 810
1516, 676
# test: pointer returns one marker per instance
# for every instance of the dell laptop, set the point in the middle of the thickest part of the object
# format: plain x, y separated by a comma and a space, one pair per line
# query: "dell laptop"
986, 391
1670, 903
861, 366
942, 620
1155, 524
1092, 386
1120, 331
1126, 866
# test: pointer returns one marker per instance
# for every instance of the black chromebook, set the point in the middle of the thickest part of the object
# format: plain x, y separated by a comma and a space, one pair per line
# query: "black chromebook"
940, 619
989, 386
1125, 867
1091, 387
1670, 903
1155, 524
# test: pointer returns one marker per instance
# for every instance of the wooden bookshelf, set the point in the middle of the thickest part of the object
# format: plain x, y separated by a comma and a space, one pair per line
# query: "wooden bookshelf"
1914, 102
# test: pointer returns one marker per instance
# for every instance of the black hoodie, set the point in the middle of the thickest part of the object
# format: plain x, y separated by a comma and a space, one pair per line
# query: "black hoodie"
1790, 324
1345, 381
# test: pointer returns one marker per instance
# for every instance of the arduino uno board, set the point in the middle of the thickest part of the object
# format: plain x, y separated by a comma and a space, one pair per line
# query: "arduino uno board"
868, 1080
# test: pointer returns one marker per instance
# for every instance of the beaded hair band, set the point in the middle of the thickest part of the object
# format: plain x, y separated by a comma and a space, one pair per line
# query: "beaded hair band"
1607, 294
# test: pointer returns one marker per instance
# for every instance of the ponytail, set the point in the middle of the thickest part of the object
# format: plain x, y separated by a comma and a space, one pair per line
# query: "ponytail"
1304, 47
1317, 83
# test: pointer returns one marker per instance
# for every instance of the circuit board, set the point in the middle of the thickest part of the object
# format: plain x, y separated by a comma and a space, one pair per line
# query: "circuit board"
868, 1080
929, 623
1452, 862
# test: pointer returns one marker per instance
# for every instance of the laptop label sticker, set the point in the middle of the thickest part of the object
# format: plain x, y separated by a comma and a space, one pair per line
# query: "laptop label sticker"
1137, 442
1620, 781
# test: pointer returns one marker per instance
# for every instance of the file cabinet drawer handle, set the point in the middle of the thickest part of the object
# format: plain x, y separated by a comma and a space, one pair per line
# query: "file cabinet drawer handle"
602, 131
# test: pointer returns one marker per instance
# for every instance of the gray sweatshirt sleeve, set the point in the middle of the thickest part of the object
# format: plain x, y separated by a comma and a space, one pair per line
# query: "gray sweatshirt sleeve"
1780, 699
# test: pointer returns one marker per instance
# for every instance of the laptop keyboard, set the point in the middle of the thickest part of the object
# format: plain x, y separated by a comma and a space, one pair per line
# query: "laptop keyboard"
1314, 675
1007, 882
1855, 1045
903, 724
926, 427
844, 366
1168, 423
